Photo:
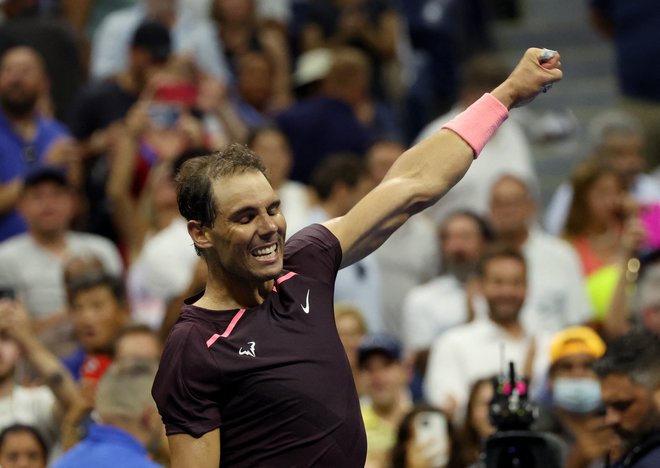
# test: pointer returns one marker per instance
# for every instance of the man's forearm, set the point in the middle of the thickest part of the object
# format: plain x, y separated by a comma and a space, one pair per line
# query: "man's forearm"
51, 370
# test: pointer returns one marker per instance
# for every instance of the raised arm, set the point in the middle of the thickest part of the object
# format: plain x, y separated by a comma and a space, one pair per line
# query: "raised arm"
187, 451
14, 321
424, 173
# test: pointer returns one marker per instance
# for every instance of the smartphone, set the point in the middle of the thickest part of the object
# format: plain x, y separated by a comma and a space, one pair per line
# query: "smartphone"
431, 434
163, 116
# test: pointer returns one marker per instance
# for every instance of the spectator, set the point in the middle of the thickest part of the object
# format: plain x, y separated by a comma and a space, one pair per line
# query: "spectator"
632, 28
556, 296
630, 377
372, 26
55, 41
137, 342
271, 145
647, 298
328, 123
618, 139
385, 382
575, 395
128, 421
190, 34
27, 139
241, 31
405, 259
42, 405
98, 311
352, 329
508, 152
100, 108
417, 449
32, 264
340, 181
151, 282
21, 446
477, 349
476, 427
603, 228
448, 300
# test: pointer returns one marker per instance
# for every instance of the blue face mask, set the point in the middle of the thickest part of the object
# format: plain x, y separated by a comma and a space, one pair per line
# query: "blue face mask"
576, 395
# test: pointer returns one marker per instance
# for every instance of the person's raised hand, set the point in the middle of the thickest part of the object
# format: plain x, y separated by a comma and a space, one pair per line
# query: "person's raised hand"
536, 71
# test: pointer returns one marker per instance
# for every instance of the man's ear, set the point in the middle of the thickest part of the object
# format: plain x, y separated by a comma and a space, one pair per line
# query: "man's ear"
199, 234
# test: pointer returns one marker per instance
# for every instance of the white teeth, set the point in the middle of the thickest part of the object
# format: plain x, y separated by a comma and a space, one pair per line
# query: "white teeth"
265, 251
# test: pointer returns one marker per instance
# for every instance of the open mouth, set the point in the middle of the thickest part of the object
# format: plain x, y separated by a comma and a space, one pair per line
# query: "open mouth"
265, 253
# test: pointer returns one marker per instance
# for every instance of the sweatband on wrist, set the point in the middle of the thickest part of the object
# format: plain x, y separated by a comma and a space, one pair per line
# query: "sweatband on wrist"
477, 123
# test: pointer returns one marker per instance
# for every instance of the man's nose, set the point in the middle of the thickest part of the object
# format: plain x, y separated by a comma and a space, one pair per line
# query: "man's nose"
266, 225
612, 417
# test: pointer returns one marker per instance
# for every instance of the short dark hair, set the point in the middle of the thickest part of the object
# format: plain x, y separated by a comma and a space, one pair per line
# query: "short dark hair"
87, 281
635, 355
18, 428
482, 224
497, 251
348, 168
194, 182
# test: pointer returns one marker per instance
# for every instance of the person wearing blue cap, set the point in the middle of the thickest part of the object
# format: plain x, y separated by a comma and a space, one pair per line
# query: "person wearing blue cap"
387, 399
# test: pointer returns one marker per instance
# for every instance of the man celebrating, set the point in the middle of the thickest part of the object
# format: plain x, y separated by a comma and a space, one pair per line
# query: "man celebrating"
254, 364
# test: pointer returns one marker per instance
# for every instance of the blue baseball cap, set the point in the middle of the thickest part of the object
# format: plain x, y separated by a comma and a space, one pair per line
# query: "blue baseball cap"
379, 343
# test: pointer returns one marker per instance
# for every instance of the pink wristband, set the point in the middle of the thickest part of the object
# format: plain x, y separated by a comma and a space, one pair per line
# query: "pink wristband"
477, 123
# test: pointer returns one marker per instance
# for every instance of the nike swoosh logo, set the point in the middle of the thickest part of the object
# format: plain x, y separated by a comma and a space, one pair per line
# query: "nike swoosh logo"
305, 307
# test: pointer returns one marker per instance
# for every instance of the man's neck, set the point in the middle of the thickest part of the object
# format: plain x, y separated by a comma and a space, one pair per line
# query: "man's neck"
226, 294
7, 386
394, 412
54, 243
25, 127
515, 238
512, 328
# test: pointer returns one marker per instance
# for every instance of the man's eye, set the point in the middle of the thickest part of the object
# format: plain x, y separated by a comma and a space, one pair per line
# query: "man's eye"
621, 405
245, 219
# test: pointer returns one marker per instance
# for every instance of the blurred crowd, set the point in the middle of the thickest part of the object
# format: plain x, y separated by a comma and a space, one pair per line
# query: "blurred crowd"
101, 102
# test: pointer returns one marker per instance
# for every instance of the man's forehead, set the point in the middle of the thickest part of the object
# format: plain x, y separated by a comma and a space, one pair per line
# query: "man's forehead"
617, 385
244, 189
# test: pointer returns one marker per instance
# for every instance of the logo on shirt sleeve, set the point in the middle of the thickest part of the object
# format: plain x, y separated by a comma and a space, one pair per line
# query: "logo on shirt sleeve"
250, 351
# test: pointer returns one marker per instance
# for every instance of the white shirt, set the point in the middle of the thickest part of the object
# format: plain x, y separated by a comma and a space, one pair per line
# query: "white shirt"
431, 309
507, 152
295, 205
556, 294
33, 406
408, 258
162, 271
476, 350
190, 34
36, 275
646, 189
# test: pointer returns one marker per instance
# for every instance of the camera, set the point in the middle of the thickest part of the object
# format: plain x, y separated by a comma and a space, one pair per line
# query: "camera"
514, 444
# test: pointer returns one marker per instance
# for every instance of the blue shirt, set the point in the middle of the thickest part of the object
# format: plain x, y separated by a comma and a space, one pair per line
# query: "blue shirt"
107, 447
18, 156
318, 127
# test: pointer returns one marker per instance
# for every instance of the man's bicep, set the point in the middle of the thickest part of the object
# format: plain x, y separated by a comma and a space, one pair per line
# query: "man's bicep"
187, 451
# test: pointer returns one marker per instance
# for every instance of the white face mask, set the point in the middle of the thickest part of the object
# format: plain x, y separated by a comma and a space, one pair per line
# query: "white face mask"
577, 395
